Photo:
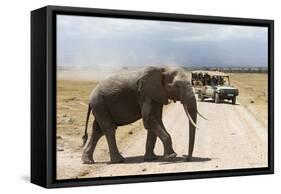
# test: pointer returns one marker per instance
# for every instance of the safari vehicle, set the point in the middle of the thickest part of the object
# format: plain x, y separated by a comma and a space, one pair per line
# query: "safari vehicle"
213, 84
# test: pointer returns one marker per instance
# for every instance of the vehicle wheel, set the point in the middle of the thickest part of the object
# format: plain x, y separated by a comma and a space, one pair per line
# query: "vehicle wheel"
234, 100
217, 98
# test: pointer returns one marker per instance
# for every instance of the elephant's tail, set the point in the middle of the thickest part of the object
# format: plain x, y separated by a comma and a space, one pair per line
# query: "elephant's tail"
85, 137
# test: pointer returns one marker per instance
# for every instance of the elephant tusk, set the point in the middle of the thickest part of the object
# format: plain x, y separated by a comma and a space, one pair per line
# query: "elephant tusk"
190, 119
192, 122
202, 116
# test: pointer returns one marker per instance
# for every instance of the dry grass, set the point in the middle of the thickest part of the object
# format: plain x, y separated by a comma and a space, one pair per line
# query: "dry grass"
73, 97
72, 101
253, 93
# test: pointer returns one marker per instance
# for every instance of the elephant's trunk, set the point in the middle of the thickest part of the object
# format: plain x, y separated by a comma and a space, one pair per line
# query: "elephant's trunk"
190, 107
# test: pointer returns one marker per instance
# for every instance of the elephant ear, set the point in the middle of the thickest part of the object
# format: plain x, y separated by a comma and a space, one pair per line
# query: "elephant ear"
151, 85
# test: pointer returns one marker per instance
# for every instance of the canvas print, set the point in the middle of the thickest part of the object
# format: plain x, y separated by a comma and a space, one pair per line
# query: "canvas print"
139, 97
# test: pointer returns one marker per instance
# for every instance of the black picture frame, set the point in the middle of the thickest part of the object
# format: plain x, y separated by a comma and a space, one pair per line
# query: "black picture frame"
43, 95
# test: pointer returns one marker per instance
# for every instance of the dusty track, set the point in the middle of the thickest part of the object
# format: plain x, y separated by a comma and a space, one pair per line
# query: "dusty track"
231, 139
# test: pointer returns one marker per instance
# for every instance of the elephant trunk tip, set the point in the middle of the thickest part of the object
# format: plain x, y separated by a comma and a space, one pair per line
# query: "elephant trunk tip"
188, 158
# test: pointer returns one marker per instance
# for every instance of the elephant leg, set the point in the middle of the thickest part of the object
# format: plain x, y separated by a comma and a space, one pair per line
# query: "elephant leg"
108, 127
152, 120
151, 137
87, 156
150, 144
166, 140
115, 155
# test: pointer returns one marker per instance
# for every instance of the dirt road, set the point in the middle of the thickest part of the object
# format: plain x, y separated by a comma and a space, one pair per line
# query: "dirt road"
231, 139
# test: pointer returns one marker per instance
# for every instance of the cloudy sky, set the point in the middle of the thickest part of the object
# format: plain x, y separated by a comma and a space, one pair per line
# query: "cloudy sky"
92, 42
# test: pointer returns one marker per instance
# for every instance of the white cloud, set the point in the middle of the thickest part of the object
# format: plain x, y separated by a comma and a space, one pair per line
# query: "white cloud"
213, 32
96, 41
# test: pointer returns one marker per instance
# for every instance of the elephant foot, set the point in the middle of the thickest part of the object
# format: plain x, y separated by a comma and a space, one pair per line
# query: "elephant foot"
117, 159
150, 157
86, 159
170, 156
188, 159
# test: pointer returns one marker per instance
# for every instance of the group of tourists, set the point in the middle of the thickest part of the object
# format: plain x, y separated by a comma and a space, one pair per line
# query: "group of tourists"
206, 79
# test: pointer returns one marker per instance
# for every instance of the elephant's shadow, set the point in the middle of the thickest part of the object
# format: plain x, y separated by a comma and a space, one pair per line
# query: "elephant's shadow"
162, 160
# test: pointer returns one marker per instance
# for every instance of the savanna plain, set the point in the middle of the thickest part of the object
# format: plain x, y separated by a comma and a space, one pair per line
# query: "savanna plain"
234, 137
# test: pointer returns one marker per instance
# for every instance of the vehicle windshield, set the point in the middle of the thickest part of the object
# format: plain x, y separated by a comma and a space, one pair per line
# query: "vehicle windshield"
224, 80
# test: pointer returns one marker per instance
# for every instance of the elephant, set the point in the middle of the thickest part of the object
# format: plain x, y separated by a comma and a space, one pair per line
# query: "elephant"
125, 98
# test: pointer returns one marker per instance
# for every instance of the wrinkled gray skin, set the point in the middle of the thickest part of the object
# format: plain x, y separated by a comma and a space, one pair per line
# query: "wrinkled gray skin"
123, 99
